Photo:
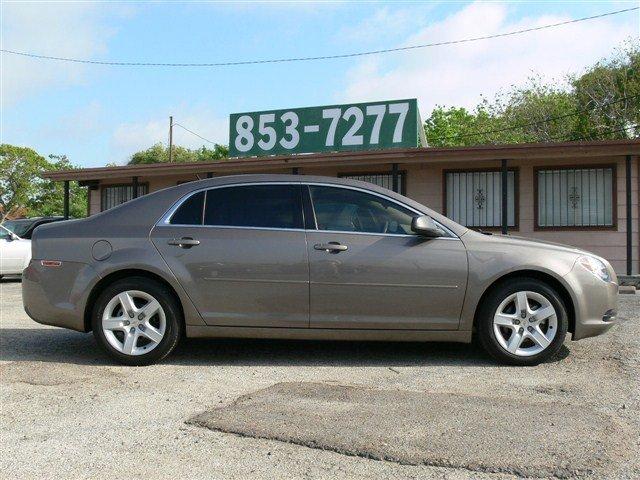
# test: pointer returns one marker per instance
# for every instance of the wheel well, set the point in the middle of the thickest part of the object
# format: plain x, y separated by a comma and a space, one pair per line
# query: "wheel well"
115, 276
543, 277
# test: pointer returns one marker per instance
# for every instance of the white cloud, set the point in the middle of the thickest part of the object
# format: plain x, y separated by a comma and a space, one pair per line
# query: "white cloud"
131, 137
460, 74
76, 30
385, 23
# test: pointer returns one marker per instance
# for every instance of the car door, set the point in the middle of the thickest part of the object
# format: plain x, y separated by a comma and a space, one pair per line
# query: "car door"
14, 253
369, 271
240, 253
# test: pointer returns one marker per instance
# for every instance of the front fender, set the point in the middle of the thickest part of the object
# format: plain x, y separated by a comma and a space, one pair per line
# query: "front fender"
489, 262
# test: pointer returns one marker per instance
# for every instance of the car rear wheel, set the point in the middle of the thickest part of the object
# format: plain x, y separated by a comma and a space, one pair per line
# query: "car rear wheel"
137, 321
522, 322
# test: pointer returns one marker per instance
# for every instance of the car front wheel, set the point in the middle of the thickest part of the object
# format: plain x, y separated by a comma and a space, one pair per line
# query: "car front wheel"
137, 321
522, 322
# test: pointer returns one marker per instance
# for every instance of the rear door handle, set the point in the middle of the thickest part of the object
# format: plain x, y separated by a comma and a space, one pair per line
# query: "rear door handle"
184, 242
331, 247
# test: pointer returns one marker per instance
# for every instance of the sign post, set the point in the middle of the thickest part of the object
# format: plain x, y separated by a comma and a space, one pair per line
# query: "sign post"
333, 128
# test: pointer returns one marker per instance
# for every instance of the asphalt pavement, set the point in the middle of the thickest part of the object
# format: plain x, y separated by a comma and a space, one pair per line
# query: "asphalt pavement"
263, 409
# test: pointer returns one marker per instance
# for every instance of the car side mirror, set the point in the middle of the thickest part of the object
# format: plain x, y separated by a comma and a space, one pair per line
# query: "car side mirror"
425, 226
12, 237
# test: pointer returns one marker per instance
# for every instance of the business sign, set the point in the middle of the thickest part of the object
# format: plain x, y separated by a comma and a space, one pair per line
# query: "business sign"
334, 128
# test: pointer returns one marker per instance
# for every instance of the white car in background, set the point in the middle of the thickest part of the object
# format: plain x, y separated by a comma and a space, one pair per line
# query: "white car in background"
15, 243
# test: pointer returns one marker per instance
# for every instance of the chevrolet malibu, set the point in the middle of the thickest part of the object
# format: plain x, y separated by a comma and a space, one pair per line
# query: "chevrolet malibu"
301, 257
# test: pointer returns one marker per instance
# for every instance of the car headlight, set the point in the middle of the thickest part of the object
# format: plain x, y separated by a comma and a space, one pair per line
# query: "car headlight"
595, 266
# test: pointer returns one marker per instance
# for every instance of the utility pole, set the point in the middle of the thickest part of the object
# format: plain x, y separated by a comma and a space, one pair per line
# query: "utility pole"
170, 139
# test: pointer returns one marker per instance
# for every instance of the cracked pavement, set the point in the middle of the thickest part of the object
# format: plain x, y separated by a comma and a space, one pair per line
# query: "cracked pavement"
67, 411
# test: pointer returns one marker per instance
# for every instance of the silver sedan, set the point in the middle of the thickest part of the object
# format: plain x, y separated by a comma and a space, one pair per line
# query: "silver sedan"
300, 257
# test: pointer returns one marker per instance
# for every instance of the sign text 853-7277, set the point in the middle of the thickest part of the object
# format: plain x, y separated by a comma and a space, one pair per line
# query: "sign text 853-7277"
362, 126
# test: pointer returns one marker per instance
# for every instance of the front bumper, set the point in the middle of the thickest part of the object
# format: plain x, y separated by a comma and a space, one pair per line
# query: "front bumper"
57, 295
595, 302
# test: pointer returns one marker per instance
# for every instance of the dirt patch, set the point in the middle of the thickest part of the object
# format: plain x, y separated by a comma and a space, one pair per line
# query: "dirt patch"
523, 437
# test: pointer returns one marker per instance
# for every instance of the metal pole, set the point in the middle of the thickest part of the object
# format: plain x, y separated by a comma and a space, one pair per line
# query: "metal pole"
395, 178
65, 207
170, 139
629, 218
505, 193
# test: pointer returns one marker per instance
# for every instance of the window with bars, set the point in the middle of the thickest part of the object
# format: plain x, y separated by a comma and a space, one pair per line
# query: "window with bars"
575, 197
384, 180
474, 198
114, 195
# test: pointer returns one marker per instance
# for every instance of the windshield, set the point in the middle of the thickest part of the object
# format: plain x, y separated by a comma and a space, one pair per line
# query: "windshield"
19, 227
4, 233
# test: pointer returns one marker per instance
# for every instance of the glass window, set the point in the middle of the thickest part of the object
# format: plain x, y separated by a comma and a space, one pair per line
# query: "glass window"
575, 197
345, 210
115, 195
190, 212
265, 206
19, 227
5, 233
384, 180
474, 198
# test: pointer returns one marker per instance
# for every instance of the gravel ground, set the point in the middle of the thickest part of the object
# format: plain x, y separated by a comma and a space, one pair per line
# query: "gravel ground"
67, 411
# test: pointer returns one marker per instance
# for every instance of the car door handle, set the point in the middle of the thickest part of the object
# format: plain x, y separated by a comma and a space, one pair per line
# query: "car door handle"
184, 242
331, 247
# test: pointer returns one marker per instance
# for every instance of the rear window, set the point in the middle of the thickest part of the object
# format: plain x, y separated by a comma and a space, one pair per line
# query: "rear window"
263, 206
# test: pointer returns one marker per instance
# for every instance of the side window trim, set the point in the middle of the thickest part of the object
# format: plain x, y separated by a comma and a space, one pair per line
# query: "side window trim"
166, 218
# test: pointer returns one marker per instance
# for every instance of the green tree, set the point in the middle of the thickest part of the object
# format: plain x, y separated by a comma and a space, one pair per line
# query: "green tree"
159, 153
20, 182
609, 94
602, 103
24, 191
50, 201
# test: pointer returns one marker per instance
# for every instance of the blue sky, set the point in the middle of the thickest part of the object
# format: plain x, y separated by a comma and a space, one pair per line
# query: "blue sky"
98, 114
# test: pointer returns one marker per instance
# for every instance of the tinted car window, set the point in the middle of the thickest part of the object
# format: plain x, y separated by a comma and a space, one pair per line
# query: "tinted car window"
345, 210
267, 206
190, 212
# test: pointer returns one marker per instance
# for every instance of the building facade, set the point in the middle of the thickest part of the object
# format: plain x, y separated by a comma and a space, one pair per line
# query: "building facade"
581, 193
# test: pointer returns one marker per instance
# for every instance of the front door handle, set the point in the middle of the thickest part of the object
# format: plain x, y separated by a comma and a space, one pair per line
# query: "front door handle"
184, 242
331, 247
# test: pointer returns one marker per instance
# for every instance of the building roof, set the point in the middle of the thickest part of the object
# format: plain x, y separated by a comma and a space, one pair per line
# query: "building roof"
564, 150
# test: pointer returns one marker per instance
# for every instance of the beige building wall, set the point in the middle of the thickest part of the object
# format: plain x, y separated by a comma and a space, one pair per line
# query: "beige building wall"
424, 183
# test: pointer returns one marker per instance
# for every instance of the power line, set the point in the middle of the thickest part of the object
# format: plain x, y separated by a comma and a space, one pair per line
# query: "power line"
538, 122
590, 136
193, 133
320, 57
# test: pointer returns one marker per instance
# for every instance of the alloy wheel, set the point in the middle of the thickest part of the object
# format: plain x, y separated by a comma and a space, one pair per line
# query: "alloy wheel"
525, 323
134, 322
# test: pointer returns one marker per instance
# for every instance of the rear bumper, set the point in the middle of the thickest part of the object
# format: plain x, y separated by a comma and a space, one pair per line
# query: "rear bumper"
595, 302
57, 295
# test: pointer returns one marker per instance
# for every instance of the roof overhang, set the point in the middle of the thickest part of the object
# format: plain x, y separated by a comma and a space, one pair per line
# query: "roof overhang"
529, 151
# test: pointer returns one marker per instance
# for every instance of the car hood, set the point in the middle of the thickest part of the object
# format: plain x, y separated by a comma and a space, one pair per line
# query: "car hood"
509, 240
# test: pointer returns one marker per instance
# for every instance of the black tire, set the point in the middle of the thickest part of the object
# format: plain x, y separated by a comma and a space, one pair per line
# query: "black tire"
486, 312
172, 311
